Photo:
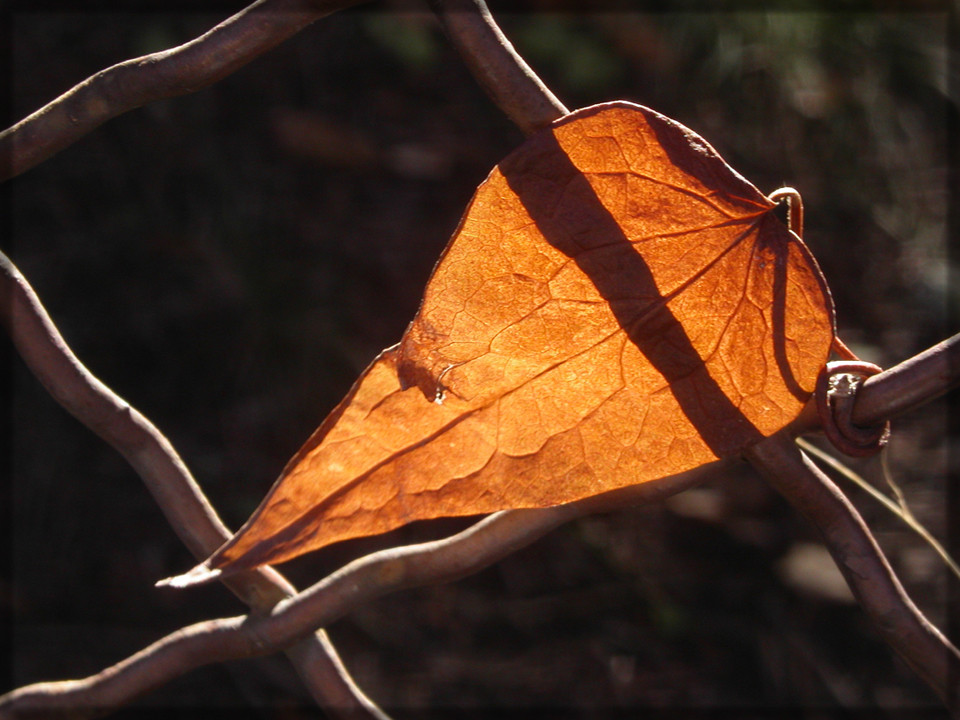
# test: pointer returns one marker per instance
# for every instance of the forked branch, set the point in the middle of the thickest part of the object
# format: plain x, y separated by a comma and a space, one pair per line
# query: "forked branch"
931, 655
361, 581
154, 459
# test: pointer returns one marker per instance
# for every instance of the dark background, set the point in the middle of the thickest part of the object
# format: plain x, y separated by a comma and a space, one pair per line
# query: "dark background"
230, 261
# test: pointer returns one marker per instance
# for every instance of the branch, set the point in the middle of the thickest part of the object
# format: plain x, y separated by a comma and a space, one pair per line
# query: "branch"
910, 384
898, 389
515, 88
524, 98
901, 624
361, 581
499, 69
154, 459
136, 82
861, 561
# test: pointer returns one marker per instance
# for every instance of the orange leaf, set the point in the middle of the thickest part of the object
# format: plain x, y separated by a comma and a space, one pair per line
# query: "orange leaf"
618, 305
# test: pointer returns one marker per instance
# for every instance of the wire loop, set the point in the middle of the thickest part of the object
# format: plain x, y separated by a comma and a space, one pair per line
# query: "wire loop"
836, 394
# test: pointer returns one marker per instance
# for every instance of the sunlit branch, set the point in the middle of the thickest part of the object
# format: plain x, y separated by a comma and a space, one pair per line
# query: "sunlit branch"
136, 82
496, 66
154, 459
869, 575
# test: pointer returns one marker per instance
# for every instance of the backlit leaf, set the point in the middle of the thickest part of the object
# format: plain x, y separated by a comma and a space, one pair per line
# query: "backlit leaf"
618, 305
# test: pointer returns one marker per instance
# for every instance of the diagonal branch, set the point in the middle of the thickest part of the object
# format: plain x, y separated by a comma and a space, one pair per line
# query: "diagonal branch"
869, 575
496, 66
861, 560
168, 73
361, 581
154, 459
910, 384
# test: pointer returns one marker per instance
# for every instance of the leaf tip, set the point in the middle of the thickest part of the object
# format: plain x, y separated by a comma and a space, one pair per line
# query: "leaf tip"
200, 574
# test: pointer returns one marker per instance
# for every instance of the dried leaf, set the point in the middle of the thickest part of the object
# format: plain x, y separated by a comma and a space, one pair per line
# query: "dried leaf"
618, 305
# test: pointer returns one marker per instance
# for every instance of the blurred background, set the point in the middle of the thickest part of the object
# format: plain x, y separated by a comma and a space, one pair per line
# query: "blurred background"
230, 261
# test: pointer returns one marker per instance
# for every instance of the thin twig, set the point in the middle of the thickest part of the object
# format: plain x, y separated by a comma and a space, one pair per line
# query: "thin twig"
136, 82
154, 459
496, 66
899, 508
361, 581
869, 575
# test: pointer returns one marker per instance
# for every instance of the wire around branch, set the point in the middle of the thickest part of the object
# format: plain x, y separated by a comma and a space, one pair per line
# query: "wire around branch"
836, 394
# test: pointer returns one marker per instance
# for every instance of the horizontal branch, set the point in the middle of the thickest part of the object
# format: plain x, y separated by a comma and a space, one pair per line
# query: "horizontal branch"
168, 73
857, 554
151, 668
151, 455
